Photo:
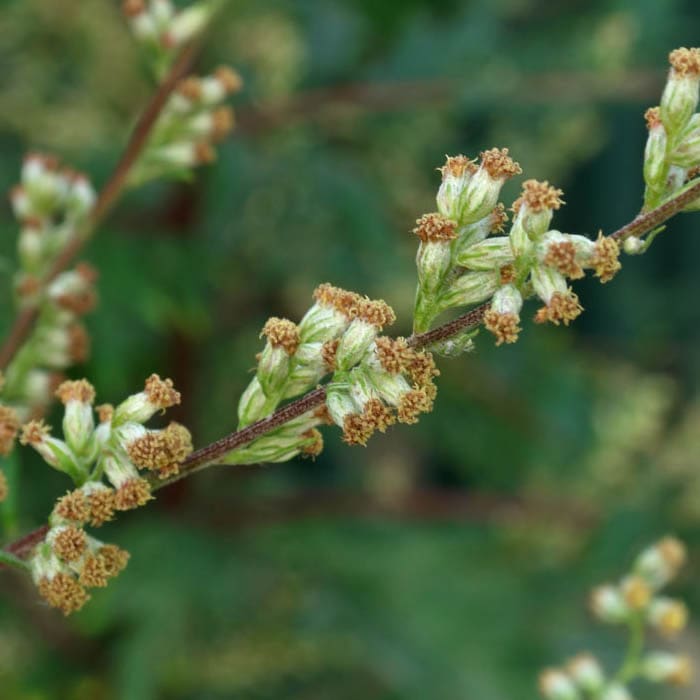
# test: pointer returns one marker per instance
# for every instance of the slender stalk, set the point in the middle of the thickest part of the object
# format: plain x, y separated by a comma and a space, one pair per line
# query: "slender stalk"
208, 456
10, 560
630, 666
25, 320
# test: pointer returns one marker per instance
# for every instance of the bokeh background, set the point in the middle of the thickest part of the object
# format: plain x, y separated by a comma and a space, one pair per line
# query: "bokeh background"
447, 560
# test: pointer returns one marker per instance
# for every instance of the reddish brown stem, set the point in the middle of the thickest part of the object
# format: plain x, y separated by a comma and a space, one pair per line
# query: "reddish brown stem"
208, 455
25, 320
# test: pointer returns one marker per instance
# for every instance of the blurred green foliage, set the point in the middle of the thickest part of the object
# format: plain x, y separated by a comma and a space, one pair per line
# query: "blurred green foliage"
449, 560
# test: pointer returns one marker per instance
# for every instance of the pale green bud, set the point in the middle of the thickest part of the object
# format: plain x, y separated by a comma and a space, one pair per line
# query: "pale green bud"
556, 685
31, 248
655, 163
56, 453
679, 99
189, 22
686, 154
480, 196
633, 245
354, 343
616, 691
322, 322
546, 281
493, 253
660, 563
78, 424
80, 198
662, 667
587, 673
307, 370
158, 394
390, 387
520, 242
273, 369
118, 469
339, 402
470, 288
608, 604
253, 404
456, 174
507, 300
432, 263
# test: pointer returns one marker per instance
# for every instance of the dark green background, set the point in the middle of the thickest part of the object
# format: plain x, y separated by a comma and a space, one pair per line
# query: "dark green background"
449, 560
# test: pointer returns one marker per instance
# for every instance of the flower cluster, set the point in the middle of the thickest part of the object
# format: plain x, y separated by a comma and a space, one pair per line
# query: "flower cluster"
52, 205
672, 154
117, 449
460, 263
192, 120
635, 601
162, 29
376, 380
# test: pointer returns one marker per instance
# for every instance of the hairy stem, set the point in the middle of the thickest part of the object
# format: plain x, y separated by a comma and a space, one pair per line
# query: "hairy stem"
25, 320
209, 455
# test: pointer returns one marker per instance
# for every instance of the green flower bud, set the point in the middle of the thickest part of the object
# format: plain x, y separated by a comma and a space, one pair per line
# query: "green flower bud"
470, 288
493, 253
680, 96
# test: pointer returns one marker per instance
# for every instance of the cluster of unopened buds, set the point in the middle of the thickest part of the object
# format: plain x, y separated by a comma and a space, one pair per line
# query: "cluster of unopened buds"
192, 121
672, 154
52, 204
461, 264
116, 450
636, 601
376, 380
162, 29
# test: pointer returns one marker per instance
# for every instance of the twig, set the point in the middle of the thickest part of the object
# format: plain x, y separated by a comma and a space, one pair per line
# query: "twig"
25, 320
207, 456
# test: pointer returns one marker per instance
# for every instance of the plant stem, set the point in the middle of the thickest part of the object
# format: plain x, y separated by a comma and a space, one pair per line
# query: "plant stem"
24, 322
630, 666
208, 456
7, 559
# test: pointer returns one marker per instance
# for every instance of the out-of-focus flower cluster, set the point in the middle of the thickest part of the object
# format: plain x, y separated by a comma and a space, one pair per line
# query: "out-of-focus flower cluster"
637, 602
376, 380
105, 462
162, 29
461, 264
52, 204
192, 121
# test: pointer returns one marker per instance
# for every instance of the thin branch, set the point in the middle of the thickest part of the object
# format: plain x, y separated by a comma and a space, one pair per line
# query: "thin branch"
25, 320
209, 455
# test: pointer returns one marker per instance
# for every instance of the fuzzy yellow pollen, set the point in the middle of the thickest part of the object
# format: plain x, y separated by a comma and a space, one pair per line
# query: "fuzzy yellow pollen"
636, 592
673, 552
605, 260
94, 572
132, 494
504, 326
562, 308
435, 228
70, 543
393, 355
4, 489
79, 303
161, 392
682, 675
539, 196
376, 312
34, 432
412, 404
673, 619
101, 505
561, 255
73, 507
222, 121
421, 369
329, 350
499, 219
343, 301
190, 88
204, 153
685, 61
105, 411
63, 592
80, 390
653, 117
114, 558
162, 448
356, 429
229, 78
314, 445
457, 166
498, 164
9, 427
282, 333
